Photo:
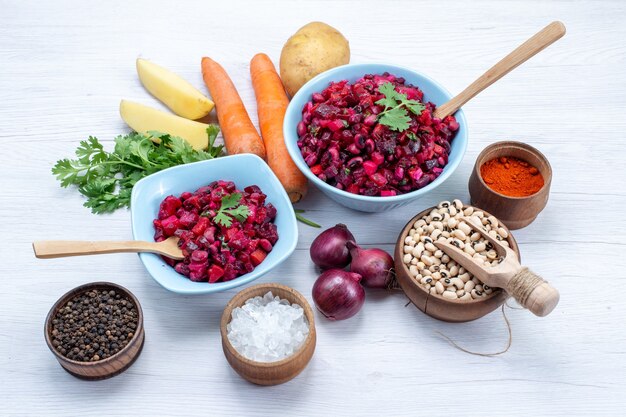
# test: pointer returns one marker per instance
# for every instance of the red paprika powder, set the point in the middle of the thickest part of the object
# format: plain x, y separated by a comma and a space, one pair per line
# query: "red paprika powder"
511, 176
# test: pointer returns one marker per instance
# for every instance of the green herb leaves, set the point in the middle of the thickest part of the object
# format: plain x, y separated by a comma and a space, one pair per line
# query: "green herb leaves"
230, 209
397, 107
107, 178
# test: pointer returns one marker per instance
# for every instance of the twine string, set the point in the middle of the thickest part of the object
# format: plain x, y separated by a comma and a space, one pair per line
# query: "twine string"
523, 284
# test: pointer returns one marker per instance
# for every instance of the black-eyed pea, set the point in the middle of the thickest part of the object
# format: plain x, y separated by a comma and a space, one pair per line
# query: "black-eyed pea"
421, 265
426, 272
479, 287
437, 225
453, 211
458, 283
428, 229
458, 204
414, 270
414, 261
450, 295
434, 268
437, 261
439, 287
438, 253
445, 259
488, 290
412, 232
469, 286
408, 249
492, 255
469, 250
484, 221
468, 211
458, 243
445, 234
436, 275
426, 280
435, 234
416, 251
459, 234
492, 221
433, 289
435, 217
475, 237
478, 214
503, 233
452, 223
443, 204
462, 226
493, 233
407, 258
428, 261
505, 243
466, 277
430, 247
460, 293
419, 223
427, 286
427, 253
474, 294
462, 270
466, 296
408, 240
480, 246
454, 270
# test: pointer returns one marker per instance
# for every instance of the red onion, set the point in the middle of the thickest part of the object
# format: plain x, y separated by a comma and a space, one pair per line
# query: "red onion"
374, 265
338, 295
329, 250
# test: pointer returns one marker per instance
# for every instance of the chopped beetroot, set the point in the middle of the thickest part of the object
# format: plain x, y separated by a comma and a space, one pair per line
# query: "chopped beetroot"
344, 145
214, 252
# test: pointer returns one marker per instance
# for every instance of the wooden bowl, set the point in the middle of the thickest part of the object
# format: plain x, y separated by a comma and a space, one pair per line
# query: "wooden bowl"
269, 373
105, 368
434, 304
515, 212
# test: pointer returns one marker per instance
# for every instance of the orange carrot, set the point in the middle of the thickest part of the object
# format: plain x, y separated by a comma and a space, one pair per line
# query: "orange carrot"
272, 103
240, 135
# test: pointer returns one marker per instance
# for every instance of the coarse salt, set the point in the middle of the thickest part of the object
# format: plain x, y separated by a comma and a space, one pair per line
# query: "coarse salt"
268, 328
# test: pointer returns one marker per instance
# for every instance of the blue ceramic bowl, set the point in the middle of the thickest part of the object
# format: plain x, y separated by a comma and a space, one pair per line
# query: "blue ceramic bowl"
433, 92
243, 170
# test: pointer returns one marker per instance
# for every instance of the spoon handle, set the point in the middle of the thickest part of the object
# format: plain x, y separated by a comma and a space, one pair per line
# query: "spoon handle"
541, 40
61, 248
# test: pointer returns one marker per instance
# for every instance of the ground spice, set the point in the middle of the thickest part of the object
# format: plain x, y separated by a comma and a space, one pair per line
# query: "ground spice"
511, 176
94, 325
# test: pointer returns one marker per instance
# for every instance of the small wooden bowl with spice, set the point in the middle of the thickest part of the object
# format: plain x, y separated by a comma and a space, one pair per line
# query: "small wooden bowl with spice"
277, 371
512, 181
103, 343
414, 280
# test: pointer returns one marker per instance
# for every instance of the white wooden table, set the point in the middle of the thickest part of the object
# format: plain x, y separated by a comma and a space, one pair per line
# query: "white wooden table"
65, 65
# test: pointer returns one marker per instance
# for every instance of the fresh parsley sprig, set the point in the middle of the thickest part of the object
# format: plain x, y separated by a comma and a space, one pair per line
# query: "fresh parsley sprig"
397, 107
107, 178
229, 209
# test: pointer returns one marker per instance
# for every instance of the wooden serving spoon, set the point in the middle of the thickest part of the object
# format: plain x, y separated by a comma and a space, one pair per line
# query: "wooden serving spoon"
46, 249
541, 40
528, 288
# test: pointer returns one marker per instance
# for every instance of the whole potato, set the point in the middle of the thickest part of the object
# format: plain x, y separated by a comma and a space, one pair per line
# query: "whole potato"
313, 49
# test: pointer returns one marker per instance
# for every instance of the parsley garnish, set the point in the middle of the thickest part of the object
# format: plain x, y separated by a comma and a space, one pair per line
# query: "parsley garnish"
397, 107
107, 178
230, 209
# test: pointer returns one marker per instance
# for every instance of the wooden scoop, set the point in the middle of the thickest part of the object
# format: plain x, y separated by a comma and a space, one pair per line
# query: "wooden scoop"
60, 248
528, 288
541, 40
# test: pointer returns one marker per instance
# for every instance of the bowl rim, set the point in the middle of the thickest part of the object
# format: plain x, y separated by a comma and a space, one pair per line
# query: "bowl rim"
80, 290
302, 301
402, 236
510, 144
205, 287
296, 156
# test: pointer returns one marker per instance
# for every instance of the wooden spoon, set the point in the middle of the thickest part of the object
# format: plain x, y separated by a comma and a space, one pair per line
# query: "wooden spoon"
528, 288
61, 248
541, 40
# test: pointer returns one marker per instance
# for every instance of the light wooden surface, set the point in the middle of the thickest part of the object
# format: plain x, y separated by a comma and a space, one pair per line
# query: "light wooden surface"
64, 66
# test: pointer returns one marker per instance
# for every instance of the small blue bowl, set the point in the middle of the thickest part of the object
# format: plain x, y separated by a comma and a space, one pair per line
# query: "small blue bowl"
433, 91
243, 170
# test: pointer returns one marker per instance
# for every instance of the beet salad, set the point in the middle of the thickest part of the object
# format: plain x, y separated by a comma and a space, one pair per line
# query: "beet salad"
224, 232
374, 137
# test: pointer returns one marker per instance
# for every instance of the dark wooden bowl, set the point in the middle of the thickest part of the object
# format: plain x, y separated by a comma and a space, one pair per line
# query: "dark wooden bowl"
269, 373
515, 212
105, 368
434, 304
